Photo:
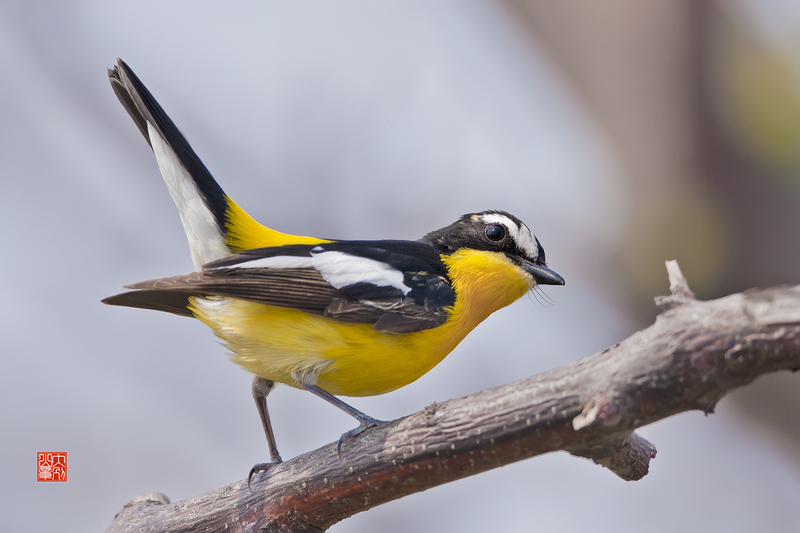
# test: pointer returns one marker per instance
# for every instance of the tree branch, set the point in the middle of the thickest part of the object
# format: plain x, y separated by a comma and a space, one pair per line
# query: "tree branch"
692, 355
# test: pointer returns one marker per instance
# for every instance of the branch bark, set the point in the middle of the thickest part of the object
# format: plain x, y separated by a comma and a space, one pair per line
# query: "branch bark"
692, 355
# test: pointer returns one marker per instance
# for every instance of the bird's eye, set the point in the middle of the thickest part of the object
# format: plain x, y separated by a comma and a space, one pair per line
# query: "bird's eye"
495, 232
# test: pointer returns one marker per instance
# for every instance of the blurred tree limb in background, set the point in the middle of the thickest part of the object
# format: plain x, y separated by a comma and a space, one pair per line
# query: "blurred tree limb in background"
694, 354
700, 101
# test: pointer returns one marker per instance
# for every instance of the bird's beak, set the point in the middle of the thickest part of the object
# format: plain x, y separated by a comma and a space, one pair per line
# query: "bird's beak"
541, 274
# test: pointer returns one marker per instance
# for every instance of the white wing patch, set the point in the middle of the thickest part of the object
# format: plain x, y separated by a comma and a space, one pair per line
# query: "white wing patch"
521, 234
206, 241
337, 268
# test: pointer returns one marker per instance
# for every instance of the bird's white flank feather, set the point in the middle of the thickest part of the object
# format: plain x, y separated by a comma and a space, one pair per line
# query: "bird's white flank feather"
337, 268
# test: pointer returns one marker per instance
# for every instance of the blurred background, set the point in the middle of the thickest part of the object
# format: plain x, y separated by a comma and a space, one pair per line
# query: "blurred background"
623, 133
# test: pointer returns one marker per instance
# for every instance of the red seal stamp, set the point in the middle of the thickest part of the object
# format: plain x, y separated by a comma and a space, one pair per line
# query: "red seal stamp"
51, 466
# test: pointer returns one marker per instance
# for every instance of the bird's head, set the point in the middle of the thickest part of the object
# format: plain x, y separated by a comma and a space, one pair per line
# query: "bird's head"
499, 232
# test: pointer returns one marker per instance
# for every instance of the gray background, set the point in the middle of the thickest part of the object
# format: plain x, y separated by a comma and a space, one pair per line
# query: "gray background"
343, 120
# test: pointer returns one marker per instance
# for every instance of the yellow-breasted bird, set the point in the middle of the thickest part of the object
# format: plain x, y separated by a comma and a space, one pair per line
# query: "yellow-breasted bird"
333, 317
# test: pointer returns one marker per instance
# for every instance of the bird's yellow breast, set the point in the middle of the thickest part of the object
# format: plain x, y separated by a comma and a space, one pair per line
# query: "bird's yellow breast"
353, 359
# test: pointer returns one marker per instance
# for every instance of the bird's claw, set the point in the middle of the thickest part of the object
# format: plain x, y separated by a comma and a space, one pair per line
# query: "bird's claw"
366, 423
261, 467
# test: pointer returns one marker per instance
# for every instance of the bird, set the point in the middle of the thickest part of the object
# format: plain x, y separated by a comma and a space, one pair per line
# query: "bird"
331, 317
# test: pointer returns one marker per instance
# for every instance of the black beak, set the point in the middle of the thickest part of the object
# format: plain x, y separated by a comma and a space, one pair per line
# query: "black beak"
542, 274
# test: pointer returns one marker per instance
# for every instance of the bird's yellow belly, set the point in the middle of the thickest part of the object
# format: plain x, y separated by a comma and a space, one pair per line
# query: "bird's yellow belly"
346, 358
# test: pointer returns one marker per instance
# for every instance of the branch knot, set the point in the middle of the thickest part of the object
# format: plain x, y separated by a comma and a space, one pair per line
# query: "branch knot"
598, 412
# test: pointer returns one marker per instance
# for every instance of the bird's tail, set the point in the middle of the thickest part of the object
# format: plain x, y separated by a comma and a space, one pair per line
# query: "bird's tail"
215, 226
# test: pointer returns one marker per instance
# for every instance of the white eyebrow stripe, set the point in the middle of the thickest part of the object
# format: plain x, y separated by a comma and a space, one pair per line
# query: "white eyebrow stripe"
340, 269
521, 234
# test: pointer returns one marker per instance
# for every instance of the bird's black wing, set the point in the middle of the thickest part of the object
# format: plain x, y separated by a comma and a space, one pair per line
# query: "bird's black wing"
302, 289
395, 286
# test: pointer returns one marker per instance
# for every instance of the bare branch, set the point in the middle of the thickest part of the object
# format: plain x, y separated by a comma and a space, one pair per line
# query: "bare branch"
693, 354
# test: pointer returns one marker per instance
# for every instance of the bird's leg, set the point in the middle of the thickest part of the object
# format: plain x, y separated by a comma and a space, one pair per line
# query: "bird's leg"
261, 389
364, 421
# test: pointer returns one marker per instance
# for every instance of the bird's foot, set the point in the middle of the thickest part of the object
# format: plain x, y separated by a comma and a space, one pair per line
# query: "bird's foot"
366, 422
261, 467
